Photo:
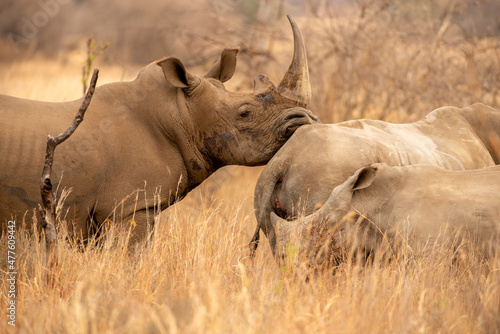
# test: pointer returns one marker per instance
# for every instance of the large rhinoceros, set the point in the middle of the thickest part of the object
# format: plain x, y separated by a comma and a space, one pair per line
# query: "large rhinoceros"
167, 131
317, 158
414, 205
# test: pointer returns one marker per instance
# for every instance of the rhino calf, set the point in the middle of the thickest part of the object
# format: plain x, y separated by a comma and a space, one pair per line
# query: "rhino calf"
168, 130
295, 182
420, 203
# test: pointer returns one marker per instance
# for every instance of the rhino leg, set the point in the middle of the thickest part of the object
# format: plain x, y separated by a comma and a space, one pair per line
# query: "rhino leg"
254, 243
81, 225
143, 227
141, 224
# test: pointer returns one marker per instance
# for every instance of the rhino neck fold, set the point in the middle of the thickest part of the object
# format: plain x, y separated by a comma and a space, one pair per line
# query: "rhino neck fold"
175, 124
145, 118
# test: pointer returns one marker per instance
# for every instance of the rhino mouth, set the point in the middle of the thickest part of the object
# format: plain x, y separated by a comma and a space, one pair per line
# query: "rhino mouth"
295, 118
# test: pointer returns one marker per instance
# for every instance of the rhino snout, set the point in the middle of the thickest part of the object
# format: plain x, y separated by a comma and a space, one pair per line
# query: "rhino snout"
295, 118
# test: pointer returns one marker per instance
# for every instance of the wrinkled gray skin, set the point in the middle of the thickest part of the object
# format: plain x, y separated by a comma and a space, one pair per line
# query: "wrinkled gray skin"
420, 203
317, 158
167, 130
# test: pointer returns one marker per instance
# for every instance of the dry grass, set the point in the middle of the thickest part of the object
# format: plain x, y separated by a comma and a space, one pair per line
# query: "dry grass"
195, 275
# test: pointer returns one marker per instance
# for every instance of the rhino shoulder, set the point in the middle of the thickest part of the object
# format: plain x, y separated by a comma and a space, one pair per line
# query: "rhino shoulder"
441, 114
448, 113
479, 107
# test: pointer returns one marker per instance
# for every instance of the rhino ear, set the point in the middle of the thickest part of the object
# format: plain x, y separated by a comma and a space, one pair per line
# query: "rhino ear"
363, 178
224, 68
175, 73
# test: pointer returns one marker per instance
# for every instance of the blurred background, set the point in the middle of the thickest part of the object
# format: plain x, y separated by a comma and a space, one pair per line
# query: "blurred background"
393, 60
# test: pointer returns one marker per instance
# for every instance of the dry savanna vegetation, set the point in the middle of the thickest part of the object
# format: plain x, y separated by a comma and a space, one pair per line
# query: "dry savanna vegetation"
391, 60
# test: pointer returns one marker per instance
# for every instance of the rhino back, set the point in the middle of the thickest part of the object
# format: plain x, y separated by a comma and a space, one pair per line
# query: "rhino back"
430, 201
23, 136
113, 152
322, 156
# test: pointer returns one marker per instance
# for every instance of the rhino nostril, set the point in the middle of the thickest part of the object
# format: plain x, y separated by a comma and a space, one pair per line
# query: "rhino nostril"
289, 117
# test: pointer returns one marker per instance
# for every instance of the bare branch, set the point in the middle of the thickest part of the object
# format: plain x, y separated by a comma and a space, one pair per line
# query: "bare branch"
48, 213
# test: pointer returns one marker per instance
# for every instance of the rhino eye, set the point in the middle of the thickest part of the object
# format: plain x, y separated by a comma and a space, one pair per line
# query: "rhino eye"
244, 111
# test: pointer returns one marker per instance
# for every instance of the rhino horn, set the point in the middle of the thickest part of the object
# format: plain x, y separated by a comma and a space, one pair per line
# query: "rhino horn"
295, 84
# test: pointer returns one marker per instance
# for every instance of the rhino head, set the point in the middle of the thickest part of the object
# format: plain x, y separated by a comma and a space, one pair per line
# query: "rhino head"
319, 235
232, 128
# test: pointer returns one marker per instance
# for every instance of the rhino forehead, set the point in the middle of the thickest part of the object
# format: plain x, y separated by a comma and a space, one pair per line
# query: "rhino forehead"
266, 99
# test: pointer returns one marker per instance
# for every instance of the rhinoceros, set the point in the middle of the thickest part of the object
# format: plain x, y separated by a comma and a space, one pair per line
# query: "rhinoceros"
166, 132
319, 157
414, 204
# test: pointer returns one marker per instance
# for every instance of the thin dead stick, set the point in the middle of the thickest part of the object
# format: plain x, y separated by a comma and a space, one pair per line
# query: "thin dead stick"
48, 212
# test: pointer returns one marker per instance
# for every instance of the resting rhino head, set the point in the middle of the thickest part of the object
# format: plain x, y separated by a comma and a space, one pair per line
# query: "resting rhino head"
233, 128
318, 236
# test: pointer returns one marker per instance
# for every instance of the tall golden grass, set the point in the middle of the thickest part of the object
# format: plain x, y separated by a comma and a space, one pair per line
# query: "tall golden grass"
195, 275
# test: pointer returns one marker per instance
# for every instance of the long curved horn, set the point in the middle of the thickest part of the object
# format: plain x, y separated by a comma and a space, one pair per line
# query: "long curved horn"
295, 84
